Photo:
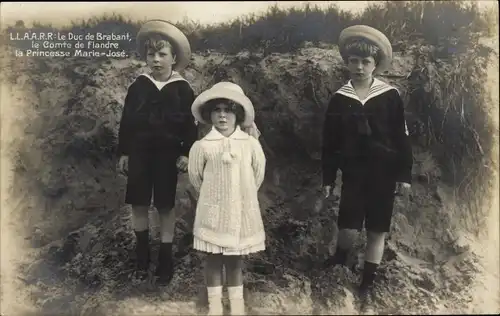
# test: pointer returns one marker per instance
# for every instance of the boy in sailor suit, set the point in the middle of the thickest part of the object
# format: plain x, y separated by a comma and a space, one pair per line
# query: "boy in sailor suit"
156, 133
365, 136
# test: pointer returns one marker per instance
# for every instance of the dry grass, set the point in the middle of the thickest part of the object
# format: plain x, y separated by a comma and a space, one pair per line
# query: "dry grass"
491, 20
448, 97
284, 30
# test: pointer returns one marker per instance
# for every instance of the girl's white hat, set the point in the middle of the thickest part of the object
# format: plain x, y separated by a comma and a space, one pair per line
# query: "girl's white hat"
179, 41
372, 35
225, 90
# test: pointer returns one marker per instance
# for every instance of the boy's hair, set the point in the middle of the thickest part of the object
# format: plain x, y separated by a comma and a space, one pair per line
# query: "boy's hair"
207, 109
156, 43
362, 48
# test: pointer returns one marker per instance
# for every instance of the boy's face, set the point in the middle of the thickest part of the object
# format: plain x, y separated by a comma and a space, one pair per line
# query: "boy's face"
223, 118
160, 61
361, 68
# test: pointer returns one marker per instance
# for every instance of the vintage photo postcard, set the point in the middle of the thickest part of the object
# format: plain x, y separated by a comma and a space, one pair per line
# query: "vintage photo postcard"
249, 158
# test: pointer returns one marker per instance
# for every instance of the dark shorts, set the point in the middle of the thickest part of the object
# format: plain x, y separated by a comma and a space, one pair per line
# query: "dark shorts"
367, 195
152, 174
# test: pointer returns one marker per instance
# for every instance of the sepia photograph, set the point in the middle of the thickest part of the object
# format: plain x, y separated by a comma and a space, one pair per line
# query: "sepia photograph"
249, 158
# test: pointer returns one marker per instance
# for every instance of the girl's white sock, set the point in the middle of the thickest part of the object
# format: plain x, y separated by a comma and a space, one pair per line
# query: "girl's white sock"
236, 300
215, 300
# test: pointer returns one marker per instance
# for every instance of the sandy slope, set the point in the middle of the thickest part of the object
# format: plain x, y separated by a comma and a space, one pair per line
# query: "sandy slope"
13, 248
83, 242
487, 292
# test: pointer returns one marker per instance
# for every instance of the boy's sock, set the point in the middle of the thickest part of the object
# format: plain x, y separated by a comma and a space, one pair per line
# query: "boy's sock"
214, 294
236, 301
165, 269
365, 289
369, 271
142, 249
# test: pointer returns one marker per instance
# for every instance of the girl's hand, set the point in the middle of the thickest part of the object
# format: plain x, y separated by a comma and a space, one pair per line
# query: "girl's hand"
123, 165
182, 163
402, 188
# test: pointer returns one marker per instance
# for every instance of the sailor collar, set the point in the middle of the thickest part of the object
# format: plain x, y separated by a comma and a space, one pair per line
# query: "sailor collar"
160, 84
238, 134
377, 88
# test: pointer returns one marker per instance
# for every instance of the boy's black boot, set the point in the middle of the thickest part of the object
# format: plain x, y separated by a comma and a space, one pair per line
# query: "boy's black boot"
366, 287
142, 253
165, 269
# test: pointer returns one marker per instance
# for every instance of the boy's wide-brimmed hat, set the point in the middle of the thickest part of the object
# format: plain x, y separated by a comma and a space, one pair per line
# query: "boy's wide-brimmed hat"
372, 35
170, 32
224, 90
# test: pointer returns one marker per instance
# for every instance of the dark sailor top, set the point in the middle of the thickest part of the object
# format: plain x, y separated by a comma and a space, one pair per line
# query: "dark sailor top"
157, 115
372, 130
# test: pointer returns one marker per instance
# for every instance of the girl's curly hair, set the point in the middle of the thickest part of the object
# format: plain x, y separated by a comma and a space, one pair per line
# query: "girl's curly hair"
207, 109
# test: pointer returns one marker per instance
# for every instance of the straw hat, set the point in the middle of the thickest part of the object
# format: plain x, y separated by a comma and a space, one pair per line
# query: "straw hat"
372, 35
224, 90
179, 41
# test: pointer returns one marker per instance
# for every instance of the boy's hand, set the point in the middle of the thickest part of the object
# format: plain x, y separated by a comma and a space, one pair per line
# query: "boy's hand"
123, 165
327, 190
182, 163
402, 188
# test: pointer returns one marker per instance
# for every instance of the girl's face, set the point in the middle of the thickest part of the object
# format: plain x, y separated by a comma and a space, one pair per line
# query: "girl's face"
160, 61
223, 118
361, 68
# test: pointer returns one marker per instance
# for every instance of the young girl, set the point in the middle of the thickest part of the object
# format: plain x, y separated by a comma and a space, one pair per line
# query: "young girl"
227, 168
155, 135
365, 136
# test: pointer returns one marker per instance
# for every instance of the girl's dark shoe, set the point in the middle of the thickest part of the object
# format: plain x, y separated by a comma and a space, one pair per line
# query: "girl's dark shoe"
142, 253
165, 269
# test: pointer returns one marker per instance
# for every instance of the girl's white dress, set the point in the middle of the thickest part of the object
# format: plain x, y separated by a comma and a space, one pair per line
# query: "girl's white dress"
227, 172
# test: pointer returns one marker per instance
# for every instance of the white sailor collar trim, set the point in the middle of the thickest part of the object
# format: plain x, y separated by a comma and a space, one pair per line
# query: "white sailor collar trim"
160, 84
238, 134
377, 88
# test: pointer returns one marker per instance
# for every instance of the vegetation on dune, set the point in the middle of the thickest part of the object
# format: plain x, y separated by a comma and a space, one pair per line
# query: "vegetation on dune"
284, 30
